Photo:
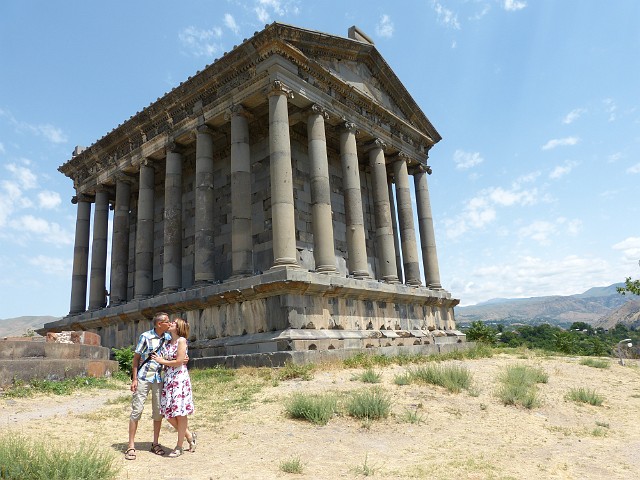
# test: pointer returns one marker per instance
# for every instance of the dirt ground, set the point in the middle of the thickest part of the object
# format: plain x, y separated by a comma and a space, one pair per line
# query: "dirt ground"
459, 436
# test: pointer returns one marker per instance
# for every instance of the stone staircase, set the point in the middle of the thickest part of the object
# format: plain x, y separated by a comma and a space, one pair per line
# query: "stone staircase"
55, 357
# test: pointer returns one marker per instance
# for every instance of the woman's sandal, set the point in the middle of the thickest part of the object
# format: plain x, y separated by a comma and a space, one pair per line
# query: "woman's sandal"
157, 449
192, 443
130, 454
176, 453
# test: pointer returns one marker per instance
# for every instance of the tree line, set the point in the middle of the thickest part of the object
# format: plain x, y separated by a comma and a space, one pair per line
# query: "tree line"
580, 339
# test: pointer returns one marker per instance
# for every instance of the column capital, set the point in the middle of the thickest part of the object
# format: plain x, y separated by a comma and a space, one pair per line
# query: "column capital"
317, 109
147, 162
204, 128
174, 147
421, 168
375, 143
81, 197
237, 110
279, 88
348, 126
124, 177
399, 157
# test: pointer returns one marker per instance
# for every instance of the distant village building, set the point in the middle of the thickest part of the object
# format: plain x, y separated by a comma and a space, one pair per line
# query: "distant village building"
266, 200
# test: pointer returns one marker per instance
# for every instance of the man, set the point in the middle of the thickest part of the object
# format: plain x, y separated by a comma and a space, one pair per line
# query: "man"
147, 376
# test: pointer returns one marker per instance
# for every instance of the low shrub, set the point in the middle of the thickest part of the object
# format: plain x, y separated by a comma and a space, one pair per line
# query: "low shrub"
316, 409
452, 377
585, 395
518, 385
369, 404
595, 362
22, 459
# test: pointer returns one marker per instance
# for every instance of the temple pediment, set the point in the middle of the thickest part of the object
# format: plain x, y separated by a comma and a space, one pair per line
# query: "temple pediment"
360, 77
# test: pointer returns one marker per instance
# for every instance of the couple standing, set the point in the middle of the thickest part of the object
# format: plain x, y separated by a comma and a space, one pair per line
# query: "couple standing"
171, 397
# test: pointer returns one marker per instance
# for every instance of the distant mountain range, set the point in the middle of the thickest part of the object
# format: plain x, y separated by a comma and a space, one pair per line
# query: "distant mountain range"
16, 327
599, 306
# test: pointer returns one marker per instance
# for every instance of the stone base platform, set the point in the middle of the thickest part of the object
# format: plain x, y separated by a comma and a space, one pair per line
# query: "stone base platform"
298, 346
25, 360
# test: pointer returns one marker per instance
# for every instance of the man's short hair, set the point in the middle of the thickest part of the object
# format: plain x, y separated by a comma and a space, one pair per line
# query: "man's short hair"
159, 317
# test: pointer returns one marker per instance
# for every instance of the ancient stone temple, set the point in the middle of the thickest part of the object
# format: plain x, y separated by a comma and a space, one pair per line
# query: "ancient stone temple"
267, 200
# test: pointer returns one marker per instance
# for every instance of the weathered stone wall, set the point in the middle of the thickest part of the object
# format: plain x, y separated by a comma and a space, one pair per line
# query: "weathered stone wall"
59, 356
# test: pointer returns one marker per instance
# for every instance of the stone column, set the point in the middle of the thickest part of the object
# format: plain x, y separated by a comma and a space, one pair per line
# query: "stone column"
241, 229
143, 286
282, 209
386, 254
405, 222
323, 251
98, 283
80, 256
172, 261
427, 234
203, 255
120, 242
354, 217
396, 238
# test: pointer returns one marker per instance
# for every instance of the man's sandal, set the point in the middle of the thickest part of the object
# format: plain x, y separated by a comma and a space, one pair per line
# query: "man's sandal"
157, 449
130, 454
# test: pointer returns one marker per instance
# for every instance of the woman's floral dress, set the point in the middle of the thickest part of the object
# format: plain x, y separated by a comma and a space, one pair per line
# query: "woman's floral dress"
176, 399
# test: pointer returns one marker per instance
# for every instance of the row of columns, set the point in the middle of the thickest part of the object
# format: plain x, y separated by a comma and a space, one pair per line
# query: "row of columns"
282, 208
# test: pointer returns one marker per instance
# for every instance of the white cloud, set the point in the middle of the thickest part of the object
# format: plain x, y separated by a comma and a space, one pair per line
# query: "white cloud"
24, 176
231, 24
48, 199
384, 28
51, 265
562, 170
51, 133
614, 157
634, 168
48, 131
465, 160
573, 115
540, 231
560, 142
481, 210
630, 248
514, 5
265, 9
49, 232
611, 108
201, 42
574, 227
528, 276
263, 15
445, 16
2, 150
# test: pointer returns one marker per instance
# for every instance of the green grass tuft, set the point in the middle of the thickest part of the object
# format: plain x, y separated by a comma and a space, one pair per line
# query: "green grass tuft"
585, 395
452, 377
293, 465
371, 404
368, 376
518, 385
22, 459
316, 409
595, 362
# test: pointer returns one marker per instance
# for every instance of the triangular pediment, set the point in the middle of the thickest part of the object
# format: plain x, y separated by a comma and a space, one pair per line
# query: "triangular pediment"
360, 77
359, 65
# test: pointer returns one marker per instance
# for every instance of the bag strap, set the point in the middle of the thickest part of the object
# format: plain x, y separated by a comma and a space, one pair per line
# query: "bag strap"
154, 351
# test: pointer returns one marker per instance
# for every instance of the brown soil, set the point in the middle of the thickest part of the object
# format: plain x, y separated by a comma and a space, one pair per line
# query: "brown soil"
461, 436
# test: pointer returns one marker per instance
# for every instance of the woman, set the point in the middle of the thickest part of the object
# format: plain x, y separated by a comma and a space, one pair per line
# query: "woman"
176, 400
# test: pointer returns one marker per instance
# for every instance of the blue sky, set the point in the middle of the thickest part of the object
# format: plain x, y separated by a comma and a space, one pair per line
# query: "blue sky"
538, 103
